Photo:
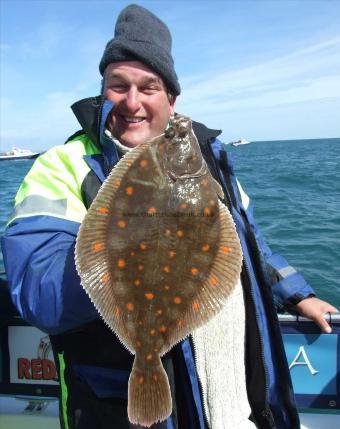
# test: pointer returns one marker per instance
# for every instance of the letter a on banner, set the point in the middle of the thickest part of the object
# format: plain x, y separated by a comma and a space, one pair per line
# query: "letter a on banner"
305, 361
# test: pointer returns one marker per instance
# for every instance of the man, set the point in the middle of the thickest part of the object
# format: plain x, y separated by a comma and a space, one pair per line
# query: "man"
140, 87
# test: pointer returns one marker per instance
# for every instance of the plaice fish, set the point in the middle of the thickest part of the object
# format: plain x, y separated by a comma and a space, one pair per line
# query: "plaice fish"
158, 254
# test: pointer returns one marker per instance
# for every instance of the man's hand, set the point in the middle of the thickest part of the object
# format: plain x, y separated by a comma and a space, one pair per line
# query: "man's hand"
315, 309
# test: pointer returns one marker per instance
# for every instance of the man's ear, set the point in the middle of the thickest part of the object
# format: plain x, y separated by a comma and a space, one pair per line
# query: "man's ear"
172, 101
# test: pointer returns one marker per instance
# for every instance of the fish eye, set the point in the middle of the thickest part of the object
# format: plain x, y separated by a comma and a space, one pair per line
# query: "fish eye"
182, 131
169, 133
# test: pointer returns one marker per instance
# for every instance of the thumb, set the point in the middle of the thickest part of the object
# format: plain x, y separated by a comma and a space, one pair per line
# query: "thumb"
323, 324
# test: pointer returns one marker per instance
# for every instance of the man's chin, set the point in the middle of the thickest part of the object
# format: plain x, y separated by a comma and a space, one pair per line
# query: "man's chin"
134, 139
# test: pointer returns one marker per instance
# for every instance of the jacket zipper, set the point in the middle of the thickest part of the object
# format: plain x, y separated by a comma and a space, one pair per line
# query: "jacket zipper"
266, 412
202, 395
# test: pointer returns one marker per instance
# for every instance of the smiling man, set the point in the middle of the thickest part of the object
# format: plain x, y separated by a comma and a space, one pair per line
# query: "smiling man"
142, 104
236, 376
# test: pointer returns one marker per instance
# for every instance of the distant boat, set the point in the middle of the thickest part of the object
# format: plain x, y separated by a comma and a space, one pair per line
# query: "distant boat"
240, 142
16, 154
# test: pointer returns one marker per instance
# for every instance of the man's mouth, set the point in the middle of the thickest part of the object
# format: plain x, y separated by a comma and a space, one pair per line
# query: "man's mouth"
132, 120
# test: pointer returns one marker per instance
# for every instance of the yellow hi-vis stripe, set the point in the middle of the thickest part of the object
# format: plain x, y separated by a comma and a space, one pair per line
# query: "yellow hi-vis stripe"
53, 185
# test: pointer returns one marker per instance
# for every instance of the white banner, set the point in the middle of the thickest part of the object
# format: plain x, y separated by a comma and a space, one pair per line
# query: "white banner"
31, 357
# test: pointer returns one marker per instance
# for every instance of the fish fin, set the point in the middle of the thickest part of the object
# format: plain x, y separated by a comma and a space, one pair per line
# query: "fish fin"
219, 282
93, 263
218, 189
149, 399
226, 268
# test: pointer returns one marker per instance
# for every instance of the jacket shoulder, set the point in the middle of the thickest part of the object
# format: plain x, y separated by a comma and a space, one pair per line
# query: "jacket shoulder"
203, 133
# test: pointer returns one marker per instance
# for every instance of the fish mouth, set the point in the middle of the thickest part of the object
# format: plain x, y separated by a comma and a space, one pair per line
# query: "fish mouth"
199, 173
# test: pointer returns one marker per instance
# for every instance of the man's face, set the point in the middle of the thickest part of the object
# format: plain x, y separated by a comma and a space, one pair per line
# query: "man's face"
142, 108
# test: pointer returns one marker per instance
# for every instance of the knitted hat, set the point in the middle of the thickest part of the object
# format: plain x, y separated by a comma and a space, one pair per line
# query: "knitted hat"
141, 36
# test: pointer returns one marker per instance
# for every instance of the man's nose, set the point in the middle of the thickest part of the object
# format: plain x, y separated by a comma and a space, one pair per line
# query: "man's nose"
132, 100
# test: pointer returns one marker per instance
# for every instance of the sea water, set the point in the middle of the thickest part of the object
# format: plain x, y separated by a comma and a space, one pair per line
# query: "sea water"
295, 189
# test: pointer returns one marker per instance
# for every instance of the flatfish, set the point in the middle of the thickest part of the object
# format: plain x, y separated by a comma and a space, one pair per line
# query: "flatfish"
158, 254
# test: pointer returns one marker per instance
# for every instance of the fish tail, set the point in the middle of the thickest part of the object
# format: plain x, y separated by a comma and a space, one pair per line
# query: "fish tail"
149, 394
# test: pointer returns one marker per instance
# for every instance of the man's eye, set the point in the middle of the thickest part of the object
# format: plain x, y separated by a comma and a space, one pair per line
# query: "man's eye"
150, 89
118, 87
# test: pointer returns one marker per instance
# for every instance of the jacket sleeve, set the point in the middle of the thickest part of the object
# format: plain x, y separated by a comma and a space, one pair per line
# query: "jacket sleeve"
38, 245
289, 286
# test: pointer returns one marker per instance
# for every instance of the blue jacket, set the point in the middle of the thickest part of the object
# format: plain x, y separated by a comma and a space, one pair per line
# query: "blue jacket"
46, 290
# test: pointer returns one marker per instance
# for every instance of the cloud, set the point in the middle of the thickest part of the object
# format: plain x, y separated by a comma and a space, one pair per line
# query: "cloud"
307, 74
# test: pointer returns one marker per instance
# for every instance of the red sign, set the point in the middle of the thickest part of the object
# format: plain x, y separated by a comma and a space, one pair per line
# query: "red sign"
36, 369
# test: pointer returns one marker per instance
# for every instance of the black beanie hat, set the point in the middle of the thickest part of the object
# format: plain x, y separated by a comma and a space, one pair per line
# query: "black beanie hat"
142, 36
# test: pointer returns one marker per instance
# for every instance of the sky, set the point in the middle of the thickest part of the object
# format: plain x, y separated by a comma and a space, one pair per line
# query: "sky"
259, 69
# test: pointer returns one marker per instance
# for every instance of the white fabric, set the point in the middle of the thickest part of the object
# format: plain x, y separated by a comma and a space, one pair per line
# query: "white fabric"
219, 348
244, 197
122, 148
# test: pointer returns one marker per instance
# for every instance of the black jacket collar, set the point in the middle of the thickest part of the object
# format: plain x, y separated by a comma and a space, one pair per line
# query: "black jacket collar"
88, 112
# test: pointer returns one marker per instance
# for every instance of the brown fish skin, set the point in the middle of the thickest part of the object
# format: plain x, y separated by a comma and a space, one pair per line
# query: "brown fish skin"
158, 254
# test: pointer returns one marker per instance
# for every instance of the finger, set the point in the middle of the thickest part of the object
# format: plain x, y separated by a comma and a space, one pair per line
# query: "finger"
323, 324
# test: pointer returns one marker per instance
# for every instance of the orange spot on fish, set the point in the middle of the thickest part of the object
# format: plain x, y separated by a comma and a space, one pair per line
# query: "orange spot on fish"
171, 254
129, 190
129, 163
162, 329
140, 267
194, 271
180, 323
207, 211
130, 306
213, 280
205, 182
225, 249
149, 296
121, 223
142, 246
167, 232
166, 287
138, 344
132, 253
149, 356
141, 380
152, 210
155, 378
166, 269
183, 206
137, 282
97, 246
152, 331
105, 277
179, 233
205, 248
116, 183
121, 263
212, 203
143, 163
195, 305
159, 312
177, 300
103, 210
